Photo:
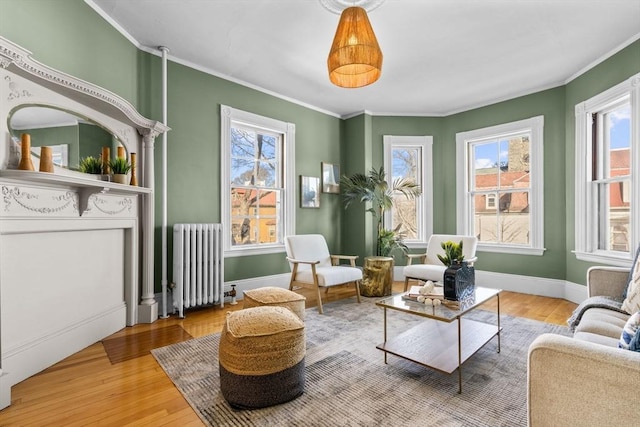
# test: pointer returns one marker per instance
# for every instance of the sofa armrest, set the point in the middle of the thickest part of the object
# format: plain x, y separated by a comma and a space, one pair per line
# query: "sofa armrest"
574, 382
607, 281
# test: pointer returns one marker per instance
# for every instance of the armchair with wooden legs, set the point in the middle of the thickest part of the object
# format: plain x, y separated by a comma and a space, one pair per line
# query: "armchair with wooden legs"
313, 266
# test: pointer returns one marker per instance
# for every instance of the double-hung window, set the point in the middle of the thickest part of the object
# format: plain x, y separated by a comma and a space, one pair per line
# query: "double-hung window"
258, 185
410, 157
608, 175
499, 186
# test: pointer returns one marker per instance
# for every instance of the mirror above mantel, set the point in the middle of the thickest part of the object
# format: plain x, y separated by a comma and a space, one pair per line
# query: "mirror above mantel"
70, 135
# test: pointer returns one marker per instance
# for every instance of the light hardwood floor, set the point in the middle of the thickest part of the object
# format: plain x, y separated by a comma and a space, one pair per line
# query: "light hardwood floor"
118, 382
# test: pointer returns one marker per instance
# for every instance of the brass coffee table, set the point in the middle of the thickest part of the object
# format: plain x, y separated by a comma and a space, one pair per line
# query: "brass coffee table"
446, 339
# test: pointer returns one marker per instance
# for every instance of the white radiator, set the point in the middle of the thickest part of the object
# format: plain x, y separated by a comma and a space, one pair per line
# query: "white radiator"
198, 266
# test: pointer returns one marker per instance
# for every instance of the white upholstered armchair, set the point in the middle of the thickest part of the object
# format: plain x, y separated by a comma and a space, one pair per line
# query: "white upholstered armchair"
312, 265
430, 267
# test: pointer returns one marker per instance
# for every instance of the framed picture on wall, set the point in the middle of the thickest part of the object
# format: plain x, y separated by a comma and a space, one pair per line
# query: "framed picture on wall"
309, 191
330, 178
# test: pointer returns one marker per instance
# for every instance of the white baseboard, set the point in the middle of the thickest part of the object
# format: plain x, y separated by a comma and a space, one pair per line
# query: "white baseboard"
542, 286
29, 358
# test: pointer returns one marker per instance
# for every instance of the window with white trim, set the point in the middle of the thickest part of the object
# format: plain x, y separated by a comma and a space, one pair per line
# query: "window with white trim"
500, 186
608, 175
410, 157
257, 182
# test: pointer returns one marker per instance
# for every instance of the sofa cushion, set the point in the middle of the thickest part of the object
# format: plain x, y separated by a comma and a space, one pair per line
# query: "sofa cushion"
596, 339
629, 333
604, 322
631, 303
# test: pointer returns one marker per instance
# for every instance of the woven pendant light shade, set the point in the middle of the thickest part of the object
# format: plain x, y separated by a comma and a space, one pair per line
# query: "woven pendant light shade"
355, 59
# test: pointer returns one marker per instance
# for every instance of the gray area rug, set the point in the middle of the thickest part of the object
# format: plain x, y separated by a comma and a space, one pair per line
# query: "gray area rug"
348, 383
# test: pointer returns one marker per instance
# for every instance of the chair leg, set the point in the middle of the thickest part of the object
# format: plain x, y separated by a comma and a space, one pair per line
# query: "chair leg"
357, 283
293, 276
406, 283
315, 282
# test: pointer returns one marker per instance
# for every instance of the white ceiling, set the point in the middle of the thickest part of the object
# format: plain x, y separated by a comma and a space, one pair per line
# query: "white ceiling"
440, 56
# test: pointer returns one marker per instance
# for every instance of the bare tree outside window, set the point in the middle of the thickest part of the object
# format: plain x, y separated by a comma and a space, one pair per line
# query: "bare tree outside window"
255, 181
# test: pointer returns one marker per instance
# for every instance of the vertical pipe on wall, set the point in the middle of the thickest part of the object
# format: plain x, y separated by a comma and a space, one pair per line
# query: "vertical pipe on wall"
164, 282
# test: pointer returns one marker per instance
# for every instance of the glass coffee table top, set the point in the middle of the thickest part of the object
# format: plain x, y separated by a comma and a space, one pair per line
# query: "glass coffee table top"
447, 312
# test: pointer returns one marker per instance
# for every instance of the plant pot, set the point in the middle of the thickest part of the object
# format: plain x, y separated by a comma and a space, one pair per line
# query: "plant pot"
120, 178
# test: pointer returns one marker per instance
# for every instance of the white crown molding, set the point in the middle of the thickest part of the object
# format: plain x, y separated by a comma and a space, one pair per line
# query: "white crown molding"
603, 58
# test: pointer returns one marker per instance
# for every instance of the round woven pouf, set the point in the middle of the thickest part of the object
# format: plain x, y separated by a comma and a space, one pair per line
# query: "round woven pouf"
261, 357
273, 296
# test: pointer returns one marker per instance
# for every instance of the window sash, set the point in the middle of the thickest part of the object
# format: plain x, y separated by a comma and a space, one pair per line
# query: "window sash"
423, 204
593, 229
268, 224
466, 143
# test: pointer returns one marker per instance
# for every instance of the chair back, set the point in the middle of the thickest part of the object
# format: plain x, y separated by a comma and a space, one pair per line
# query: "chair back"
469, 244
307, 247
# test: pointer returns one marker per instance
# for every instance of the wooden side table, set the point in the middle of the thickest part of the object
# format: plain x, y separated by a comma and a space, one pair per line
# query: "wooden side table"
377, 277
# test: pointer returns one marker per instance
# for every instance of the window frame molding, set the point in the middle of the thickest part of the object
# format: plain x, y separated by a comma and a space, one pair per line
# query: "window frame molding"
534, 126
425, 143
586, 226
228, 116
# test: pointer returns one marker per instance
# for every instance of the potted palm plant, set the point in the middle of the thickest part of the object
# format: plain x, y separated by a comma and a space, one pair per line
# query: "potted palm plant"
374, 188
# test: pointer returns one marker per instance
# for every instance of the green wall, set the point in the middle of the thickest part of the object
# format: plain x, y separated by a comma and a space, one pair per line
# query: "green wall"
193, 156
605, 75
70, 36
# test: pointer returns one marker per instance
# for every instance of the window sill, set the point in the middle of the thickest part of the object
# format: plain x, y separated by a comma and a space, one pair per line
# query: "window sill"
237, 252
514, 250
605, 258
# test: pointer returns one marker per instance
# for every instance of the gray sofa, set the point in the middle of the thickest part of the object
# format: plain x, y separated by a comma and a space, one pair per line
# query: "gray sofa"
586, 380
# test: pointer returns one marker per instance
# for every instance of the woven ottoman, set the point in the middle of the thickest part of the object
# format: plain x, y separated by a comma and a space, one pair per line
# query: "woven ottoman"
261, 357
273, 296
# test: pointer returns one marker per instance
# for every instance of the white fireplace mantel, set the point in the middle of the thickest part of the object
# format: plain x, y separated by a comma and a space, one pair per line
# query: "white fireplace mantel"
76, 260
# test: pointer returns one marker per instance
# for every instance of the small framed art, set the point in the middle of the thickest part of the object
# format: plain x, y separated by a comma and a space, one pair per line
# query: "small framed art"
309, 192
330, 178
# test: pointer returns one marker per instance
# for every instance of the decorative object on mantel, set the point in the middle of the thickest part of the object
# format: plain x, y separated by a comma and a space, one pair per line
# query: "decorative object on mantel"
355, 58
134, 178
120, 167
91, 165
46, 159
106, 158
25, 160
121, 153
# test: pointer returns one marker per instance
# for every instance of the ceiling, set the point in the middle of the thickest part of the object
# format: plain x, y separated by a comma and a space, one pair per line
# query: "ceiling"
440, 56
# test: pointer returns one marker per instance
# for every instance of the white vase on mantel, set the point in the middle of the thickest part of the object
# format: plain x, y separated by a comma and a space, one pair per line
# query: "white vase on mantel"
120, 178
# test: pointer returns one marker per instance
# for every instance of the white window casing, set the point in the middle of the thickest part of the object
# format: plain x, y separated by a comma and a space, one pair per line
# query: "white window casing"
424, 205
229, 116
586, 206
464, 211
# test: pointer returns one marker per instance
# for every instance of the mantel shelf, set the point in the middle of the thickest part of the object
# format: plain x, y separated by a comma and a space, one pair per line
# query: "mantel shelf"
85, 186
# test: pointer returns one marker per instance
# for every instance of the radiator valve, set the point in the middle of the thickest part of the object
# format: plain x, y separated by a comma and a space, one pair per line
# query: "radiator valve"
232, 294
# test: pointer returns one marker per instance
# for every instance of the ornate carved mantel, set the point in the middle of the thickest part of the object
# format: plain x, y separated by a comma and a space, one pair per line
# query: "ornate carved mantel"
45, 216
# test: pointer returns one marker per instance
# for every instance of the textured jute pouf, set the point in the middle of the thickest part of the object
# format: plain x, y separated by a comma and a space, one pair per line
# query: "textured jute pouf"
261, 357
273, 296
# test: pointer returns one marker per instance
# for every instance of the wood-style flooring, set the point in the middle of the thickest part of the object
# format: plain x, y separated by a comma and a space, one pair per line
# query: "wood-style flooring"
117, 382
